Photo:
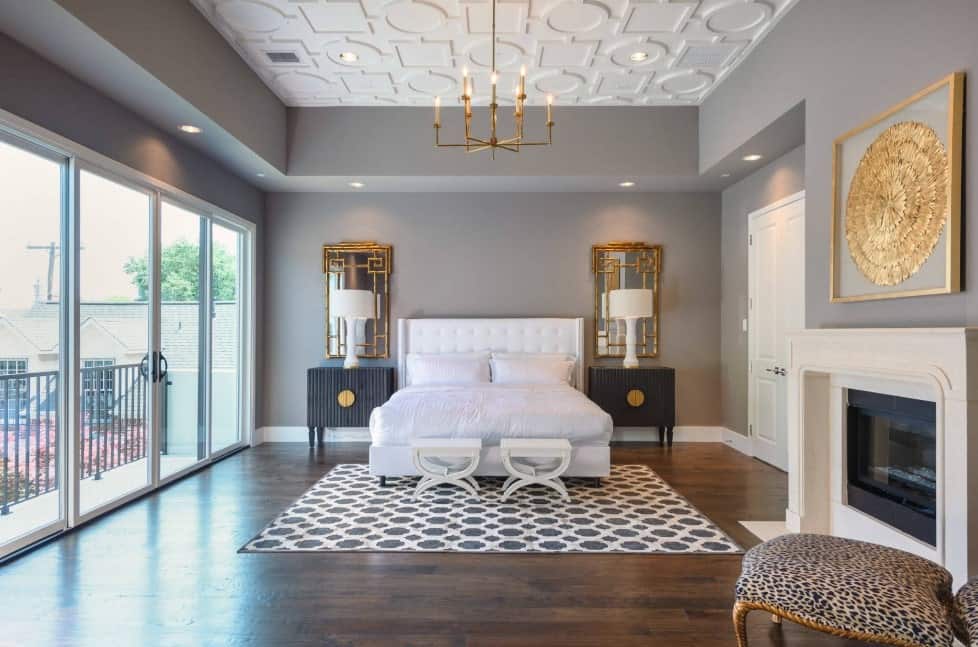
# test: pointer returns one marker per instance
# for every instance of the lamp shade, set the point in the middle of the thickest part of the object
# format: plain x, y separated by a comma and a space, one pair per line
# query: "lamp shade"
358, 304
624, 304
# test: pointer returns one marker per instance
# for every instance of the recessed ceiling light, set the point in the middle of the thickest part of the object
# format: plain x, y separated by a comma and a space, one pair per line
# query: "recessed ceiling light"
638, 57
752, 158
187, 128
724, 175
626, 184
356, 185
349, 57
260, 174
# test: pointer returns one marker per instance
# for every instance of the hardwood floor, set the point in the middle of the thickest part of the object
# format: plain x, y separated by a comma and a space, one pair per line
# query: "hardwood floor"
165, 571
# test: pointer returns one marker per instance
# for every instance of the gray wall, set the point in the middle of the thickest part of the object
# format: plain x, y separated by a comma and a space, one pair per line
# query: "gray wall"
848, 61
203, 69
781, 178
43, 93
588, 141
493, 255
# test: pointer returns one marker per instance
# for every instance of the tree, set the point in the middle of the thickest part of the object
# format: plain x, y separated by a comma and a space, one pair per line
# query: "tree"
179, 271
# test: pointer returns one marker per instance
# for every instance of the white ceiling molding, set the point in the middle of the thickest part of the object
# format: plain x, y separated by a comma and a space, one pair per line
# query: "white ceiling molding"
404, 52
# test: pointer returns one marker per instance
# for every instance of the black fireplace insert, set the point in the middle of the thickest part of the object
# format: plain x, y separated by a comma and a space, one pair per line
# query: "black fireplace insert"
891, 461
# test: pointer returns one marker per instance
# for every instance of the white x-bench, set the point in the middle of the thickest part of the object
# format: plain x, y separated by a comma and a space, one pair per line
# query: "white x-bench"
446, 460
532, 461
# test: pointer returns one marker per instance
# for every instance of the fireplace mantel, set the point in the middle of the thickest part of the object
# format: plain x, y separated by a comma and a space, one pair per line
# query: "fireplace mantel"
936, 364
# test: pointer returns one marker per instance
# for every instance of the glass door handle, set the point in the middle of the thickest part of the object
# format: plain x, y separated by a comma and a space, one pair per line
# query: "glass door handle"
164, 368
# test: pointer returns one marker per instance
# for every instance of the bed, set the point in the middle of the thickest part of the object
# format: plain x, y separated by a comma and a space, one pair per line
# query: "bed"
490, 411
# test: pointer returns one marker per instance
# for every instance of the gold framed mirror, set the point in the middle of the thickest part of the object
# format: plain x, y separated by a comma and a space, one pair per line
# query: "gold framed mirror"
359, 266
631, 266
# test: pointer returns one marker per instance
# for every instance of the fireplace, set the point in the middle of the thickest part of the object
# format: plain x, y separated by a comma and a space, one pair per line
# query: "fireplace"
891, 451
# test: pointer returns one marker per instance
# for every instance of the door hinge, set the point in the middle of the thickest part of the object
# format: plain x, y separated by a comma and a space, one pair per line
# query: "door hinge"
750, 239
750, 430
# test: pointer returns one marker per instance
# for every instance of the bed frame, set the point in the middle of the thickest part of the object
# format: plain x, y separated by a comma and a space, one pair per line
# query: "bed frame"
515, 335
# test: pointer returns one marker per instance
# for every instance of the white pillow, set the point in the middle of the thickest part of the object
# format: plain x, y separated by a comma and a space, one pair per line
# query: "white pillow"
532, 370
497, 355
448, 368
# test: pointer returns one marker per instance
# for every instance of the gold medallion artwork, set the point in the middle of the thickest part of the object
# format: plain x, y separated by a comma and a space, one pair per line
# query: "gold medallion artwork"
898, 203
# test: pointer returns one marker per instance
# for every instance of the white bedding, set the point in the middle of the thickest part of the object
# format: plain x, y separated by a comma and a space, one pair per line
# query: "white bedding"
490, 412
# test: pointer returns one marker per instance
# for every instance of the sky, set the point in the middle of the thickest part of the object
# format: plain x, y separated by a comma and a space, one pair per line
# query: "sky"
114, 228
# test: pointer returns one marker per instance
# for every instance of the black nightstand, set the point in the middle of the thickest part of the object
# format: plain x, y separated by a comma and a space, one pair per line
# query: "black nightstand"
636, 397
344, 397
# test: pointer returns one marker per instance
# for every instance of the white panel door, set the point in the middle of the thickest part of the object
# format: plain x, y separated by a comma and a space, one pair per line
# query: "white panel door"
776, 268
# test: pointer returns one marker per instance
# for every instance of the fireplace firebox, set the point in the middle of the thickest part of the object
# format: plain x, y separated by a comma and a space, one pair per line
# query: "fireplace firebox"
891, 461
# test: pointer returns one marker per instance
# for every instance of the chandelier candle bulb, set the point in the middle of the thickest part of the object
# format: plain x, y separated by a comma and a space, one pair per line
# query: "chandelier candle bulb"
437, 112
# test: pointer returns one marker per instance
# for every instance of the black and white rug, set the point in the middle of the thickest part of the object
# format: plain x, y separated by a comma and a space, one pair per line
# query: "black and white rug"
634, 511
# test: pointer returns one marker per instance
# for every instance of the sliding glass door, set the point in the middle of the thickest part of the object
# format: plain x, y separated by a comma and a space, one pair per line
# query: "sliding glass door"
227, 330
114, 340
183, 428
125, 316
32, 430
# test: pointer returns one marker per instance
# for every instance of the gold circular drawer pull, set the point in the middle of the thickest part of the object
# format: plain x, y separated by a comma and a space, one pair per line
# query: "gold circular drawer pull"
346, 398
635, 398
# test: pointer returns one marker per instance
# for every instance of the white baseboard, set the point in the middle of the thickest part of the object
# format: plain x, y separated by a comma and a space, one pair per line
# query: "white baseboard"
740, 442
301, 435
792, 521
681, 434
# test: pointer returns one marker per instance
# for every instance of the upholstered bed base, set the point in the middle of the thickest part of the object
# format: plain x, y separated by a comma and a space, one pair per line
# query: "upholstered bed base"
512, 335
592, 461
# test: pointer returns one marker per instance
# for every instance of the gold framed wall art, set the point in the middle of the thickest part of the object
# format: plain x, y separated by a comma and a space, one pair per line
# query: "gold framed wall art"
364, 266
618, 265
896, 211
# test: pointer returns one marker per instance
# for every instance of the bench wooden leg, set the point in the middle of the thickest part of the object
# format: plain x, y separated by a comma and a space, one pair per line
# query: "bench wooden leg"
740, 612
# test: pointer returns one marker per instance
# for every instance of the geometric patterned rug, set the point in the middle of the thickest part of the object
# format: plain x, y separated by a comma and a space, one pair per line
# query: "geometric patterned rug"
634, 511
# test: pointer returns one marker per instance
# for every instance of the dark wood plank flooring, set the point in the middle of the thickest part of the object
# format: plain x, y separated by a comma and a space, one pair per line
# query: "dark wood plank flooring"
165, 571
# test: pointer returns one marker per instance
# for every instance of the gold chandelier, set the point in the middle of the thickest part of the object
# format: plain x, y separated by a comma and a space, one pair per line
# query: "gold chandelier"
475, 144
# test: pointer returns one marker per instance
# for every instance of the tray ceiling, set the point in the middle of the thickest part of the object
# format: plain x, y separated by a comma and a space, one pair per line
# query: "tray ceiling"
409, 51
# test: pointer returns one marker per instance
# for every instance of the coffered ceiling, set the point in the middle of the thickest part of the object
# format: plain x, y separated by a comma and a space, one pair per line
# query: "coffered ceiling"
584, 52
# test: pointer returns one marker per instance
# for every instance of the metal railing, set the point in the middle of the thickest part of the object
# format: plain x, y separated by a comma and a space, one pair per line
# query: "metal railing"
113, 418
29, 419
113, 428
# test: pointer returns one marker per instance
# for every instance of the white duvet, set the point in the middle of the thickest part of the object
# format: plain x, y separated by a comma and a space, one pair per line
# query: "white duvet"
490, 412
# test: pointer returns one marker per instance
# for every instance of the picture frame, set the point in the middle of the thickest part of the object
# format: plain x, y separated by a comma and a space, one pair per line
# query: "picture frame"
896, 199
364, 265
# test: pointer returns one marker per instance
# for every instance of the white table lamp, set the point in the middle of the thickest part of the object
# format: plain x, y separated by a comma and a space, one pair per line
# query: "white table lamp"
352, 305
630, 305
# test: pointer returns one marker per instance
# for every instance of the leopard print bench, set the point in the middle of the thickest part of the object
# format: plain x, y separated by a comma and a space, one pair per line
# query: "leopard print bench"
847, 588
966, 612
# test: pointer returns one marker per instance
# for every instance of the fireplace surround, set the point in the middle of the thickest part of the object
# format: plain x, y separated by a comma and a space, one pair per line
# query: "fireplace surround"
936, 367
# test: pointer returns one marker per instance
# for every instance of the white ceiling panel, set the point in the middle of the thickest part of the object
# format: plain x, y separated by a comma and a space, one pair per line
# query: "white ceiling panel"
404, 52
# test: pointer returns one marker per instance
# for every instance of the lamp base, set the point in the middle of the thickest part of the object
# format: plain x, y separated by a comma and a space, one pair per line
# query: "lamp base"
631, 358
351, 360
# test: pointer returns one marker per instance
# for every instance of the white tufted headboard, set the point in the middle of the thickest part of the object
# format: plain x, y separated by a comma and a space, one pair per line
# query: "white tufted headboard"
542, 335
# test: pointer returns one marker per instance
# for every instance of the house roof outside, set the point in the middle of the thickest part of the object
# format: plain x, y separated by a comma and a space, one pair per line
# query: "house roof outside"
127, 323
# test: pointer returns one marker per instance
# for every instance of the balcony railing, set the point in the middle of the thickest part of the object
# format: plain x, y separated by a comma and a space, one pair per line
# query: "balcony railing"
113, 428
29, 415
